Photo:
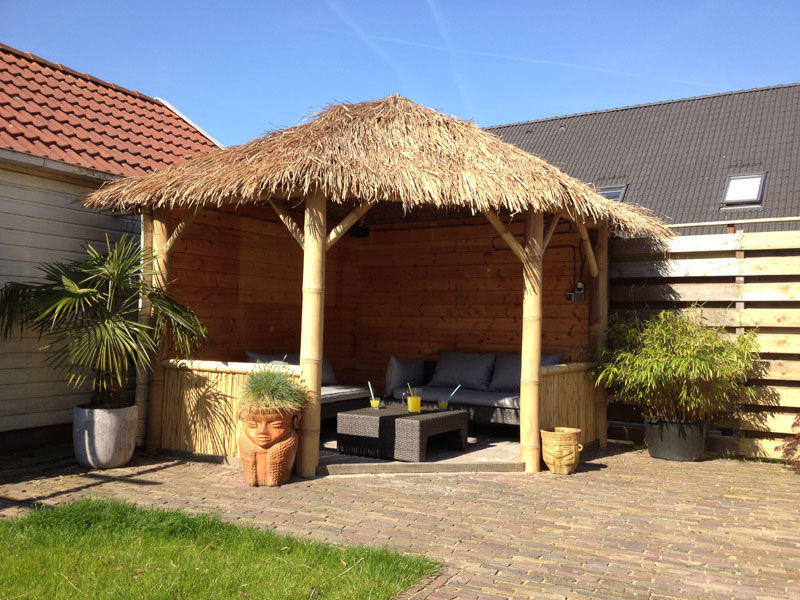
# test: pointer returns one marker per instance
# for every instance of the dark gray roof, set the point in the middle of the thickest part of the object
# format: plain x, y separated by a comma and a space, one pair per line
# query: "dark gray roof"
675, 156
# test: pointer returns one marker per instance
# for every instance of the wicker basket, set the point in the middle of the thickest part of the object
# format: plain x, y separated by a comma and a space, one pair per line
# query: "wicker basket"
561, 449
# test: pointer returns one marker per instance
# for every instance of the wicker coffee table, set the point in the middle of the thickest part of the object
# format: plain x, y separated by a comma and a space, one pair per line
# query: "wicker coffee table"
394, 433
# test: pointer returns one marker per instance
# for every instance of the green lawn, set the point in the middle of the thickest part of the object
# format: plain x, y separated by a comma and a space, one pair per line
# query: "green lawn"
105, 549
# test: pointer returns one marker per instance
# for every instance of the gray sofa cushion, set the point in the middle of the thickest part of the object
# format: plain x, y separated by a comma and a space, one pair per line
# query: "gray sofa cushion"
465, 396
293, 358
471, 371
507, 373
335, 393
548, 360
402, 372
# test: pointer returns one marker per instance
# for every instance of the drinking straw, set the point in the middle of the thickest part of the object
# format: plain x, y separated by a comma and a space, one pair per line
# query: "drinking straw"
410, 393
453, 393
371, 393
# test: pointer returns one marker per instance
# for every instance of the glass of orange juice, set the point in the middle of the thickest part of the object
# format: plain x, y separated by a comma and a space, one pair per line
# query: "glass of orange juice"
414, 401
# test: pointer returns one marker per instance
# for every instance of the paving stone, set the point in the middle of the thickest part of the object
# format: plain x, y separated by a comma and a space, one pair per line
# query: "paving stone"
624, 526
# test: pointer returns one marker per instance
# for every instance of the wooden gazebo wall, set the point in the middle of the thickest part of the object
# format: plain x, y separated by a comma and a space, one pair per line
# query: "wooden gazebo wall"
408, 289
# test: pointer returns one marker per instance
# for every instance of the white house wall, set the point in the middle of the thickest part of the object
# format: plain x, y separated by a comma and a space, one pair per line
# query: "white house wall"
42, 220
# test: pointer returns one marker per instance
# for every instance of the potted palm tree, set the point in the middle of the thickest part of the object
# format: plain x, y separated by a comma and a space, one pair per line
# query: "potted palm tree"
86, 310
681, 373
270, 408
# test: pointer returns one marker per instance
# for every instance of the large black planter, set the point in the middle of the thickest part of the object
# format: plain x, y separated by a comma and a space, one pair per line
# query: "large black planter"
676, 440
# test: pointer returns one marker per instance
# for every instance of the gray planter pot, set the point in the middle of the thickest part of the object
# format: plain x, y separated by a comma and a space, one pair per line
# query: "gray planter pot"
104, 438
676, 440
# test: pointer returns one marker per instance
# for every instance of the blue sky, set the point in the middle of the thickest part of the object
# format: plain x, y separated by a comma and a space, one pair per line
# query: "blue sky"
240, 69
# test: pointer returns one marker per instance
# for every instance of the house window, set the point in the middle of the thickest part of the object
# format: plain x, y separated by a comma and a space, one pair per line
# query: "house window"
613, 192
743, 190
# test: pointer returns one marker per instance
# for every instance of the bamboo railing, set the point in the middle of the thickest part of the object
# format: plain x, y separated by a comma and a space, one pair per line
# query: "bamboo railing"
568, 398
201, 399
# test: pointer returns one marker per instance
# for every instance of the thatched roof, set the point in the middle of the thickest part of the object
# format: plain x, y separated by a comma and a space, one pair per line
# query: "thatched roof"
388, 150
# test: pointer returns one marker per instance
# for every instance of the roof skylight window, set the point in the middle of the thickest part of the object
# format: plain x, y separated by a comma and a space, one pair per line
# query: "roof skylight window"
743, 190
613, 192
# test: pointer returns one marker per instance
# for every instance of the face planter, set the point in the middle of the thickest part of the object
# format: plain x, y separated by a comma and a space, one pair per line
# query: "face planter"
561, 449
268, 445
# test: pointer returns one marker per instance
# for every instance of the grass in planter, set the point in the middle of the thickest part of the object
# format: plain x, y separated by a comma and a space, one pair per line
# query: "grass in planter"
107, 549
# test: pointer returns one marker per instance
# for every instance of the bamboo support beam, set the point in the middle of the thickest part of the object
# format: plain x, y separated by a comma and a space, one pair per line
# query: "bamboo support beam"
156, 380
591, 261
346, 223
551, 228
176, 235
313, 313
287, 220
598, 328
506, 234
529, 438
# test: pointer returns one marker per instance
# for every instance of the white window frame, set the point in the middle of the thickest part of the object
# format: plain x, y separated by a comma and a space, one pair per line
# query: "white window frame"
746, 202
613, 188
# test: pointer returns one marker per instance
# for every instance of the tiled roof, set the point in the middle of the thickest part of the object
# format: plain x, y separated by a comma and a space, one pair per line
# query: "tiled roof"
675, 156
51, 111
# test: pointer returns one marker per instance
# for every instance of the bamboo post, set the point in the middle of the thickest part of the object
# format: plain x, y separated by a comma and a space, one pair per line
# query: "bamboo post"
156, 383
145, 318
176, 235
530, 440
315, 234
591, 261
287, 220
346, 223
598, 328
506, 235
551, 229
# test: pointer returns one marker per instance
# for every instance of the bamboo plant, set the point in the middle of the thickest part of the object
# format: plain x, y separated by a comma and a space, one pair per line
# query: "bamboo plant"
676, 368
87, 311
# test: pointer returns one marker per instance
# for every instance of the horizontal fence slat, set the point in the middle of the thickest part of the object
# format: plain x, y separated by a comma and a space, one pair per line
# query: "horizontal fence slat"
706, 292
748, 447
770, 265
785, 370
776, 395
689, 267
775, 240
727, 317
776, 343
686, 244
769, 422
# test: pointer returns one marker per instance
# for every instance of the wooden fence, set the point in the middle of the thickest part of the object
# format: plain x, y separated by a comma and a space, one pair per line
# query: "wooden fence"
201, 399
741, 281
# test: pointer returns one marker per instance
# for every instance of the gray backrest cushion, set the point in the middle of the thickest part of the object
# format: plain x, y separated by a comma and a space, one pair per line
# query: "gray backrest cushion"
400, 372
548, 360
471, 371
293, 358
507, 373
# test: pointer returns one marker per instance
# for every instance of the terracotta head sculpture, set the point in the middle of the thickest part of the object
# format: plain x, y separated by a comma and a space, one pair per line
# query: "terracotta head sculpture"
268, 445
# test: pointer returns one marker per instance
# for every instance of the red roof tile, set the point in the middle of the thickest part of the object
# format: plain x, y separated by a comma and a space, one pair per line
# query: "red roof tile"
55, 112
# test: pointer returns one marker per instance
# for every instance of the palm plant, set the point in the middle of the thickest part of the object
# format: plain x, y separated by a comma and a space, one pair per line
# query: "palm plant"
88, 311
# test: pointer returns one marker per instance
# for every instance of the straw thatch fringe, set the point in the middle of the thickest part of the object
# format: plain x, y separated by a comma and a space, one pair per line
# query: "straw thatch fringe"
386, 150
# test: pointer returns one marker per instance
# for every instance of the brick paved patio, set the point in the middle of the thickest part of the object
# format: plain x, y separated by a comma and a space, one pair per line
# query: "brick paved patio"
624, 526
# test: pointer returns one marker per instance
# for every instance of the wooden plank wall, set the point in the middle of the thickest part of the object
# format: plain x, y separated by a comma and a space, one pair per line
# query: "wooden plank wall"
406, 289
418, 288
42, 220
242, 272
744, 281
